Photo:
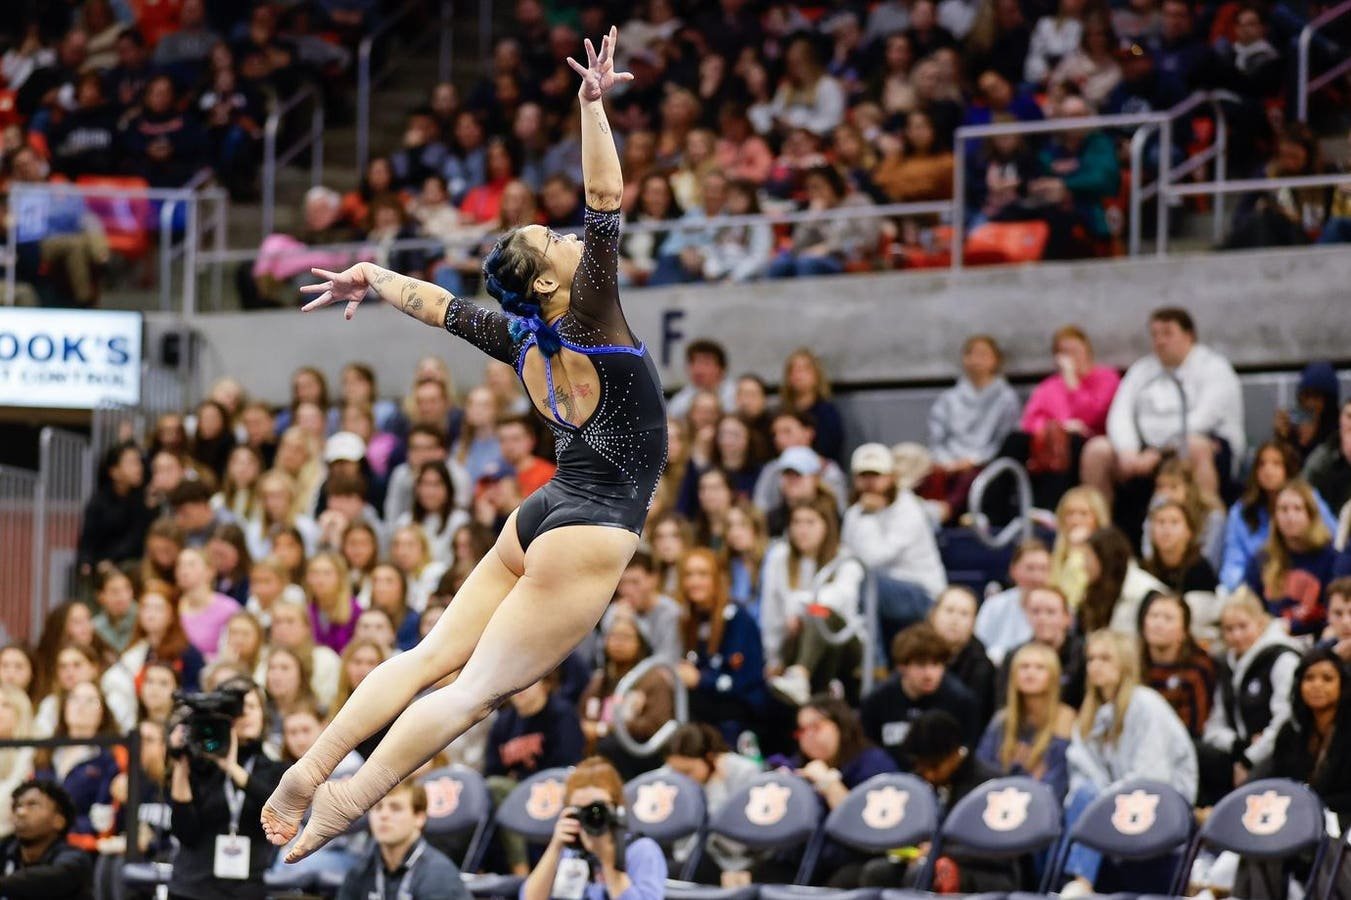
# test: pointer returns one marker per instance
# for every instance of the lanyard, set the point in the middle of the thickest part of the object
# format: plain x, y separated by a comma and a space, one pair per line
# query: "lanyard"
234, 798
405, 891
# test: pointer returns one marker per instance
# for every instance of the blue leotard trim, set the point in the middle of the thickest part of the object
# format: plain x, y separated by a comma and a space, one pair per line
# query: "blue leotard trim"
549, 371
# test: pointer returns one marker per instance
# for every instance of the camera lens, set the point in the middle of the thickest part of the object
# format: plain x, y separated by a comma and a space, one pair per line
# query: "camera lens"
596, 818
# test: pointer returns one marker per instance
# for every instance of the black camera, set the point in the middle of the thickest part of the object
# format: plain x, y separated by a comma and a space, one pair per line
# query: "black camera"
209, 716
598, 817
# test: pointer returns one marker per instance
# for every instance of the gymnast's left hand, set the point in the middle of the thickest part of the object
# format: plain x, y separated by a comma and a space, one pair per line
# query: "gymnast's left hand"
348, 286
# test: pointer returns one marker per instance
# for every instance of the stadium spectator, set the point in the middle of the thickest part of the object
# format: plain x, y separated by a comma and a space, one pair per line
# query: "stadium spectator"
834, 757
1079, 172
1117, 586
828, 246
333, 609
286, 683
85, 771
284, 259
810, 575
37, 859
426, 445
747, 542
401, 859
1297, 562
16, 763
705, 370
238, 494
647, 705
1313, 418
1176, 483
1053, 625
228, 551
724, 667
1001, 622
1030, 734
639, 595
242, 643
1091, 69
159, 638
1176, 559
77, 664
292, 630
1054, 38
1173, 663
969, 422
435, 511
1249, 521
56, 234
1328, 467
684, 252
202, 610
921, 683
1124, 730
1145, 414
1180, 58
1289, 217
888, 530
116, 517
697, 751
953, 617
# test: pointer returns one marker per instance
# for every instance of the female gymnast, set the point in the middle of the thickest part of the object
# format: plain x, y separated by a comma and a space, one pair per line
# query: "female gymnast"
558, 560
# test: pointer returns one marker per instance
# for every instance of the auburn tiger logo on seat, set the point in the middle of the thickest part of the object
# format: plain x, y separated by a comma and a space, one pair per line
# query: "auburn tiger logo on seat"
1006, 809
655, 802
885, 807
768, 804
545, 800
443, 796
1135, 812
1265, 813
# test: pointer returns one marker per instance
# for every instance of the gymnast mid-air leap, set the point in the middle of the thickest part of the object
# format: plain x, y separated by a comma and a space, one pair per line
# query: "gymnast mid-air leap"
555, 566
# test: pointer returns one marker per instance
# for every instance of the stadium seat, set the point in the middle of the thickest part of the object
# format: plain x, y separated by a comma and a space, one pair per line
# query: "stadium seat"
1137, 819
667, 807
776, 811
530, 810
1270, 819
886, 811
1006, 242
127, 219
289, 879
146, 875
458, 802
688, 890
1001, 819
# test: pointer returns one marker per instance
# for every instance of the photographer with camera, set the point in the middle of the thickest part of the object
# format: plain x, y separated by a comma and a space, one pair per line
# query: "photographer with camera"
219, 782
590, 856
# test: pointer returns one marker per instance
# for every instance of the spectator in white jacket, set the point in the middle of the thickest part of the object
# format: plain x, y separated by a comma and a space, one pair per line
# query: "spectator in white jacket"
888, 529
1182, 383
810, 575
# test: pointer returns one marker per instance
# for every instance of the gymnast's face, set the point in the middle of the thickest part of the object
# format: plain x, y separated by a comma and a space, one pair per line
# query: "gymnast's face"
562, 254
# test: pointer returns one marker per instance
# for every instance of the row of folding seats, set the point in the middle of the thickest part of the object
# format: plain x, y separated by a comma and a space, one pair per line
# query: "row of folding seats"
1003, 819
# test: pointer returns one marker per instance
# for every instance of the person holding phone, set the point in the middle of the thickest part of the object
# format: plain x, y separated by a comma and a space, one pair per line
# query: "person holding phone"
589, 856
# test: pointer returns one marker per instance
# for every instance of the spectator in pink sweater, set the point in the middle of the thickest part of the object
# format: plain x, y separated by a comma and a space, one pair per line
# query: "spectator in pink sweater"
1064, 411
1077, 397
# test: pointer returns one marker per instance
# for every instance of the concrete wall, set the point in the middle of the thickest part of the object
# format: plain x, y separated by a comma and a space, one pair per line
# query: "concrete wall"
1262, 309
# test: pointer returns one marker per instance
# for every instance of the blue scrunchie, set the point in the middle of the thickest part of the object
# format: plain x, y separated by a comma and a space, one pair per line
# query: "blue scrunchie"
527, 318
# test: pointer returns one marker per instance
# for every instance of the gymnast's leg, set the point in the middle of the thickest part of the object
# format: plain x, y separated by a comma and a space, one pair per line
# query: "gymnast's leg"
570, 575
395, 682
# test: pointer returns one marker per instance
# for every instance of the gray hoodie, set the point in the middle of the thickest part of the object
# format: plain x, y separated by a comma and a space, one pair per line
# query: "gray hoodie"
1153, 744
967, 423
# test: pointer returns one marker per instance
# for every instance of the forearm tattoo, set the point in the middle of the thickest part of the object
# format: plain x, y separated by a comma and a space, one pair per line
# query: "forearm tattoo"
410, 301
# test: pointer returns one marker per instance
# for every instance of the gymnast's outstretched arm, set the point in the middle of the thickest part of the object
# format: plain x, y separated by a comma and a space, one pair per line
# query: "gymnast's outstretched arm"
426, 302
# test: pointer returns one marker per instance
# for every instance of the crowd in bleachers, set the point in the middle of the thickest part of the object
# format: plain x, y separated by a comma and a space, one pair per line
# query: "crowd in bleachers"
1186, 616
738, 109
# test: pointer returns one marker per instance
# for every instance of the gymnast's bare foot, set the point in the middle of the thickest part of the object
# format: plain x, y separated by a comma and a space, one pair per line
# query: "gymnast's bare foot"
334, 810
285, 809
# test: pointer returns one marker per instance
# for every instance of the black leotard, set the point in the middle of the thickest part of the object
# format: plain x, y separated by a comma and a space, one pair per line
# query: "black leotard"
610, 464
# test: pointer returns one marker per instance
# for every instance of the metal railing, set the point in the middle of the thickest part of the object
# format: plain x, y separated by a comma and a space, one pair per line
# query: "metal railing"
1142, 123
138, 213
1141, 192
1242, 186
1304, 85
367, 82
864, 629
18, 496
274, 159
64, 484
652, 746
131, 741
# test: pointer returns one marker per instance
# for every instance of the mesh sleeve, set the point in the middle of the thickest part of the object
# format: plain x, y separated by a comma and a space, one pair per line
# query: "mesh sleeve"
484, 328
595, 287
